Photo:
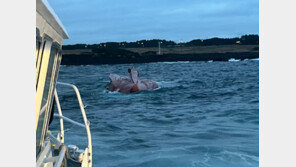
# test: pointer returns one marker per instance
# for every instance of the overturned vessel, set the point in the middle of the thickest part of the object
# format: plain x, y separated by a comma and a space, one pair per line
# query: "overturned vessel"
130, 84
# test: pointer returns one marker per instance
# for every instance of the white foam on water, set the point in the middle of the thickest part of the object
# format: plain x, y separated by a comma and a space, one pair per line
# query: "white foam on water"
255, 59
109, 92
159, 87
233, 60
175, 62
168, 84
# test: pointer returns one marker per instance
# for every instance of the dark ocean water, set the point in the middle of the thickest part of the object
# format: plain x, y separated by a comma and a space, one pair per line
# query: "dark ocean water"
204, 114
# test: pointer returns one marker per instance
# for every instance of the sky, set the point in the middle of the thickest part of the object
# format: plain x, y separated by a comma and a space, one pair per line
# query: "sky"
96, 21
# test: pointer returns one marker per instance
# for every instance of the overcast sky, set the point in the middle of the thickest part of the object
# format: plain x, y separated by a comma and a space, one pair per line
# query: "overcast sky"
95, 21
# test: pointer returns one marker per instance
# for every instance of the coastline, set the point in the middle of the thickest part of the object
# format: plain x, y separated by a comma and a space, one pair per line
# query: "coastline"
147, 55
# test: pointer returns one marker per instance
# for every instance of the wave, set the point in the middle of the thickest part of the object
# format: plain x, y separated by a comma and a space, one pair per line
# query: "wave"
175, 62
244, 157
234, 60
169, 84
116, 93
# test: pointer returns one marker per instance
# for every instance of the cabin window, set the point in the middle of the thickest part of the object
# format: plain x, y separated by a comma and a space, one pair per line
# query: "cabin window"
47, 97
38, 50
38, 45
39, 61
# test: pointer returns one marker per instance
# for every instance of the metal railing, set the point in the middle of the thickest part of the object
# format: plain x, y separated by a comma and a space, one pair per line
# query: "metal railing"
58, 160
63, 118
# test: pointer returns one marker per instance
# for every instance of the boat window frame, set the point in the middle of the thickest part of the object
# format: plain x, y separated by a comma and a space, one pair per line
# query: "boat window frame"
44, 41
54, 56
54, 77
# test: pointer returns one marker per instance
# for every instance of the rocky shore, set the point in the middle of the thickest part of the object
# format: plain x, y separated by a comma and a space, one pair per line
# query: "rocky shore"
147, 55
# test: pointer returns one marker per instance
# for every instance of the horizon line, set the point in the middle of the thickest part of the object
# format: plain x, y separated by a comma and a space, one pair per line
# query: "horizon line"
162, 39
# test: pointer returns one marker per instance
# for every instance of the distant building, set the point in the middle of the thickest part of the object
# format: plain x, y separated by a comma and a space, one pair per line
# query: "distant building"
238, 42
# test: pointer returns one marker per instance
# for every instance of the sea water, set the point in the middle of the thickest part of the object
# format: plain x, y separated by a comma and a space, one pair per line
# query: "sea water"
203, 114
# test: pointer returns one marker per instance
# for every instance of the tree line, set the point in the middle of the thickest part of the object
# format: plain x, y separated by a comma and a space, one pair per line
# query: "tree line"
243, 40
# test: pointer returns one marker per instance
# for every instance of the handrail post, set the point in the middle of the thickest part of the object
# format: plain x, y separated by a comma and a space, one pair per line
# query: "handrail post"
87, 126
60, 114
86, 122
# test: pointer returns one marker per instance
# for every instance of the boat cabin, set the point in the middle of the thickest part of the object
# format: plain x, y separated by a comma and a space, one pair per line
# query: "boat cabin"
51, 150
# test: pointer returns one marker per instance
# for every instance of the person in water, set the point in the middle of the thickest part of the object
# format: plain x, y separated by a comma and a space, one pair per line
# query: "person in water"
131, 84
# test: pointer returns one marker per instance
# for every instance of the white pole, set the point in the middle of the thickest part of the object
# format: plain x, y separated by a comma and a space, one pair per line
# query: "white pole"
159, 48
60, 114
